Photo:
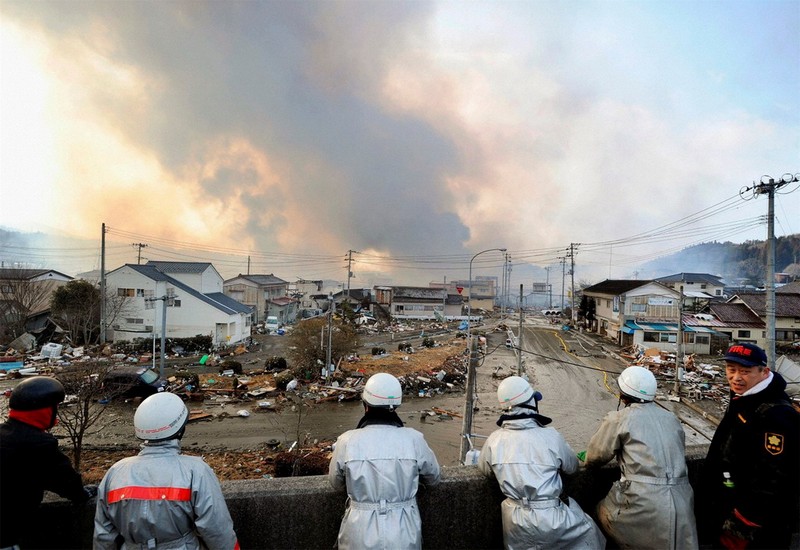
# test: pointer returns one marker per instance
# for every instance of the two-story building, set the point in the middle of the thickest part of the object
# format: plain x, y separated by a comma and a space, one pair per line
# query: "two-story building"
189, 311
480, 295
632, 311
698, 288
259, 292
411, 302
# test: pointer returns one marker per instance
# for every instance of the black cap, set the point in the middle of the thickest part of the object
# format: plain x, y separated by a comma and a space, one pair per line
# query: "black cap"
37, 392
747, 355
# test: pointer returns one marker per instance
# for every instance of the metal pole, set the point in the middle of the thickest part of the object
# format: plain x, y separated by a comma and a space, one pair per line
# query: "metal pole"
163, 334
469, 403
679, 351
519, 338
331, 307
466, 429
103, 317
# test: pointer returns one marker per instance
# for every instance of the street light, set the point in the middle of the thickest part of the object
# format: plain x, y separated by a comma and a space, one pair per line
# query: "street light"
466, 428
469, 292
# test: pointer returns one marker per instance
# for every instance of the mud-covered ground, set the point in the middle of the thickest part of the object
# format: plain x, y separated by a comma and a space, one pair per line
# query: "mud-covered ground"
247, 445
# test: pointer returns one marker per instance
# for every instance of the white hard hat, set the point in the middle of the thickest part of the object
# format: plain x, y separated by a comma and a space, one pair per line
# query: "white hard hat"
382, 390
638, 383
160, 416
514, 390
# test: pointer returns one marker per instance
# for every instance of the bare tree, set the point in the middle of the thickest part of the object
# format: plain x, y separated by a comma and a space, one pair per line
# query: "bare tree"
20, 295
85, 388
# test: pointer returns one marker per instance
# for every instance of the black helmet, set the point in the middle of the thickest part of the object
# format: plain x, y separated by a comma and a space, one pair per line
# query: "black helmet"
37, 392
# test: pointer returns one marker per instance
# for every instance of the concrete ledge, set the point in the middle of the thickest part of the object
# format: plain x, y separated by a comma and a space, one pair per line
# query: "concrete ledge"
304, 512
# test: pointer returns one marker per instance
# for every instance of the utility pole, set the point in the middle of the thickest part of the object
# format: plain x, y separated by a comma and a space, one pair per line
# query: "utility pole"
140, 246
550, 290
103, 315
248, 264
768, 186
349, 271
571, 256
563, 263
679, 351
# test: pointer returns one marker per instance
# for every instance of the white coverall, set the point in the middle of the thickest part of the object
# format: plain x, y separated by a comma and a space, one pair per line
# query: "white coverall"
162, 499
527, 460
652, 505
381, 466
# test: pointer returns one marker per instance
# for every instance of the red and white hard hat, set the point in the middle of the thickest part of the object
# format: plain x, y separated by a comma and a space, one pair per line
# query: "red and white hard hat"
382, 390
160, 416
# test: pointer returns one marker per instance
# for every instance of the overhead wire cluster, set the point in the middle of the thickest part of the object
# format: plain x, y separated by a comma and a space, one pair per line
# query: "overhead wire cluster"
686, 231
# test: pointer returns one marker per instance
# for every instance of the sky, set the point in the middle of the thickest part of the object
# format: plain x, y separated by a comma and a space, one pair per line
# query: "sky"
416, 134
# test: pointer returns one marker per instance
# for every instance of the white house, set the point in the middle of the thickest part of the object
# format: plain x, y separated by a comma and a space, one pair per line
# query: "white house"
190, 312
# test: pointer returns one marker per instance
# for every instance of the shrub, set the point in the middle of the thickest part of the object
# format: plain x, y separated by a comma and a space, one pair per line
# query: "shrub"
236, 366
378, 351
427, 342
275, 363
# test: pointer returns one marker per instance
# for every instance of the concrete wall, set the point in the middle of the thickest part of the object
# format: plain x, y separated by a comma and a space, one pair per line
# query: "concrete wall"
461, 512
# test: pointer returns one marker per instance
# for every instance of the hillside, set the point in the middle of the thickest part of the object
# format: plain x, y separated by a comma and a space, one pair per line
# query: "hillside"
743, 263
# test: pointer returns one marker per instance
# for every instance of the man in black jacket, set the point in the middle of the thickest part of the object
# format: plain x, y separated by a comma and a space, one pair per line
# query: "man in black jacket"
30, 461
750, 481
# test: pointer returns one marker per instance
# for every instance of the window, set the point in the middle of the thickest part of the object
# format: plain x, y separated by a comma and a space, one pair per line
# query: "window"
638, 308
744, 334
703, 286
668, 337
127, 292
176, 303
718, 292
651, 337
134, 321
702, 339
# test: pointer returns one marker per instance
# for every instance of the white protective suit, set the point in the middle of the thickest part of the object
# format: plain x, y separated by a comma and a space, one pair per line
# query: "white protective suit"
527, 460
162, 499
381, 466
652, 505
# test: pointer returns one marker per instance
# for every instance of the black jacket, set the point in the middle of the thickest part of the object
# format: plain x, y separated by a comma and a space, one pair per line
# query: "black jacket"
757, 444
30, 463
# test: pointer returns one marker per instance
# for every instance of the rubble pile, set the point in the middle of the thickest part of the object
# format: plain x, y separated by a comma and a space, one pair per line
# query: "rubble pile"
699, 381
227, 465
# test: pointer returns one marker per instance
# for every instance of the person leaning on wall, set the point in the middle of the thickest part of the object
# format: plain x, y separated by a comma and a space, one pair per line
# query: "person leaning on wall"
380, 463
161, 498
30, 462
527, 458
652, 504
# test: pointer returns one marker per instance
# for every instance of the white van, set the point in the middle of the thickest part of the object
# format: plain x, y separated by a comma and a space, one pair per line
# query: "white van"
272, 324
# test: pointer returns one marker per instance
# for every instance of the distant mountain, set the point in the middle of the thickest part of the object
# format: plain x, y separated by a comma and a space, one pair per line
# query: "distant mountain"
743, 263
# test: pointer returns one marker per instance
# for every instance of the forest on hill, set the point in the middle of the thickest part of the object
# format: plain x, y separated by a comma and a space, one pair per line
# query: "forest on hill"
737, 263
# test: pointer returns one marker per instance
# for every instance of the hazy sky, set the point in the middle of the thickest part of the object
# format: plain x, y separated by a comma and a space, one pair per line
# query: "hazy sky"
415, 133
